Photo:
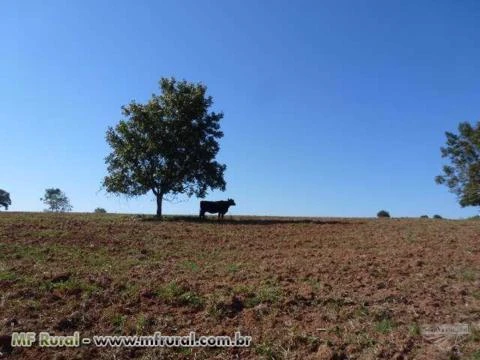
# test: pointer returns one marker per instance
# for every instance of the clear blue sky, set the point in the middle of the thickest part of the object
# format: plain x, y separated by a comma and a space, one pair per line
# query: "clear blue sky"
332, 108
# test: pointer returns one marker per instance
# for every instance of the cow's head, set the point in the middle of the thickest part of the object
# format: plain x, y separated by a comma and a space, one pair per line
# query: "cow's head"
231, 202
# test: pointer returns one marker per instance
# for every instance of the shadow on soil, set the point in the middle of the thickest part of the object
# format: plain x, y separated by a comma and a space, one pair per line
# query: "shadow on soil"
247, 221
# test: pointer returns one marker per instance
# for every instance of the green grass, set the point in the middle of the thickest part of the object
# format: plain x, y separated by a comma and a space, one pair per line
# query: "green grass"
475, 333
190, 265
175, 294
265, 294
314, 283
141, 324
72, 285
365, 341
267, 350
7, 275
118, 322
384, 326
415, 330
233, 268
128, 290
469, 275
170, 291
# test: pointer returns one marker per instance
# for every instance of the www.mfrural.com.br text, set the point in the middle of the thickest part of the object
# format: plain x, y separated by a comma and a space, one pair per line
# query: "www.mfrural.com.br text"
45, 339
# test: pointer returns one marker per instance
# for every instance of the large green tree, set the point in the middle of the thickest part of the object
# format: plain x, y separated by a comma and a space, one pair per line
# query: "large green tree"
462, 176
5, 199
166, 146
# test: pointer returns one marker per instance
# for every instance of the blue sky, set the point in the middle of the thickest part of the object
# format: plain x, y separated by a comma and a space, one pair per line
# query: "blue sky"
332, 108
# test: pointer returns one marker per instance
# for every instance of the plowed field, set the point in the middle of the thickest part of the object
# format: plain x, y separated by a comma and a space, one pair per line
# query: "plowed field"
301, 288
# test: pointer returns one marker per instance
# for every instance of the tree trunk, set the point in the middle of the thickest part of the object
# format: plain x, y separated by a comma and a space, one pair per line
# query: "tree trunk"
159, 205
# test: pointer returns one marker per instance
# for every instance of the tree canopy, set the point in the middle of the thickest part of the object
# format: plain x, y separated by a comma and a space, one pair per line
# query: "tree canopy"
166, 146
462, 177
56, 200
5, 199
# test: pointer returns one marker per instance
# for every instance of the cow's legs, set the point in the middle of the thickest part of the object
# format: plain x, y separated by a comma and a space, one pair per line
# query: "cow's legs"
202, 214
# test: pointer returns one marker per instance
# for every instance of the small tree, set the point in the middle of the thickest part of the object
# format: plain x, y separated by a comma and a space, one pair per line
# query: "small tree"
166, 146
424, 217
436, 216
383, 214
462, 177
100, 211
5, 199
56, 200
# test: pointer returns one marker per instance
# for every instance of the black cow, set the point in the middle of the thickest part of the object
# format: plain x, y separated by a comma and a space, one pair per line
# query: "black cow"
213, 207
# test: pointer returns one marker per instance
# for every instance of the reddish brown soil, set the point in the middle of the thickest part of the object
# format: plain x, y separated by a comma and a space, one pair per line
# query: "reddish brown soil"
302, 288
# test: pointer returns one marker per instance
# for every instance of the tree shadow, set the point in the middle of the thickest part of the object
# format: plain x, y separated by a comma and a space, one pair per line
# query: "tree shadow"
249, 220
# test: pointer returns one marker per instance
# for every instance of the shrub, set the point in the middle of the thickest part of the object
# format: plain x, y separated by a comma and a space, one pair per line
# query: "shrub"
383, 214
424, 217
100, 211
5, 199
436, 216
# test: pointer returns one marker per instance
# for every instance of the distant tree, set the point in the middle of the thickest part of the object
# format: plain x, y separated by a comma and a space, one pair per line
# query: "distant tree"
436, 216
56, 200
463, 175
383, 214
424, 217
5, 199
166, 146
100, 211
